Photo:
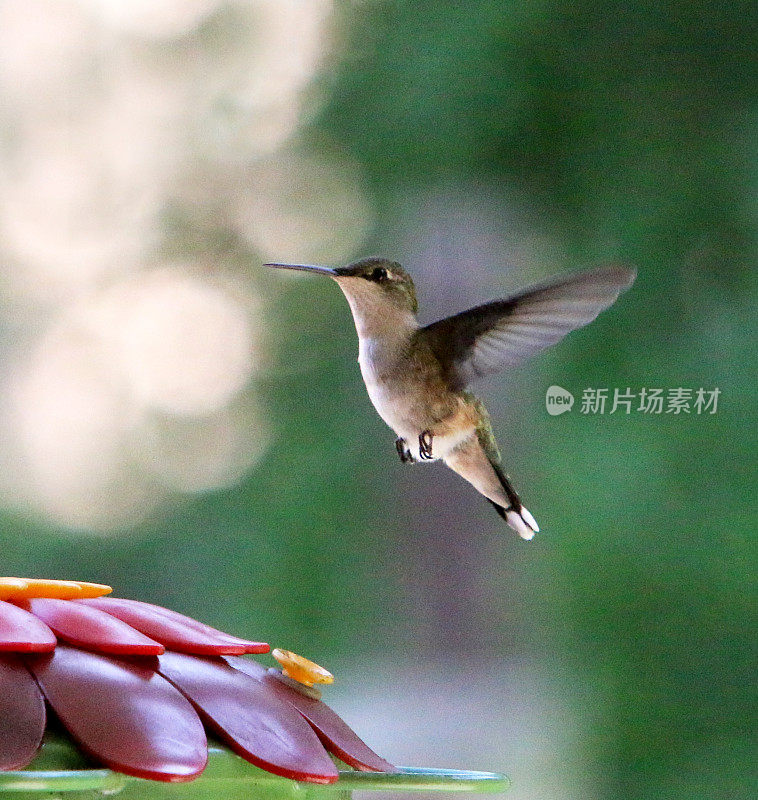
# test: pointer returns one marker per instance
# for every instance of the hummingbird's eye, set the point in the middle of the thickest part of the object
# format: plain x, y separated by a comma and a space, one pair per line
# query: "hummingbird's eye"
379, 274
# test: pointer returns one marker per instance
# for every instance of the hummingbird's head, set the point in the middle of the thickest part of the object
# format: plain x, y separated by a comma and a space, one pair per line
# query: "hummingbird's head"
380, 292
380, 281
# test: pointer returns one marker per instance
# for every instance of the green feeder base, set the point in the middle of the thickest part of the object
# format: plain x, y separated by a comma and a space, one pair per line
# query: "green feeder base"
61, 771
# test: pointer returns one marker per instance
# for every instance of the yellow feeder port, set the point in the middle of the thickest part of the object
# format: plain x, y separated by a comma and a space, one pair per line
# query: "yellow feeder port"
301, 669
29, 588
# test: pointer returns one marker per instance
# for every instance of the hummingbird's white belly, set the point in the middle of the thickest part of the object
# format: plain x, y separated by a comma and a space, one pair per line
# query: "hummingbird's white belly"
397, 403
388, 405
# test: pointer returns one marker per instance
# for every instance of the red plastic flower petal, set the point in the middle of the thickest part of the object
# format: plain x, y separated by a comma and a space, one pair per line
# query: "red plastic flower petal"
143, 715
90, 628
334, 732
22, 712
256, 724
174, 630
337, 736
125, 716
22, 632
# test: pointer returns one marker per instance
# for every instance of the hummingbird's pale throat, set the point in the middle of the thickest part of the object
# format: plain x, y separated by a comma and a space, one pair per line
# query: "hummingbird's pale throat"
417, 376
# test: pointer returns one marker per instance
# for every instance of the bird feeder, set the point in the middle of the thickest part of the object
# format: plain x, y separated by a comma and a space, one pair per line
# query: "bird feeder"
108, 696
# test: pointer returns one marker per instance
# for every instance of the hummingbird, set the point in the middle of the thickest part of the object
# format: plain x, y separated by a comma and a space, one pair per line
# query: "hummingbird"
417, 377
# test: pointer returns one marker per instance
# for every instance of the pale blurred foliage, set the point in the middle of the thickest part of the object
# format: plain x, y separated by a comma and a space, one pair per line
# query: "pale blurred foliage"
162, 19
184, 345
315, 205
131, 392
129, 370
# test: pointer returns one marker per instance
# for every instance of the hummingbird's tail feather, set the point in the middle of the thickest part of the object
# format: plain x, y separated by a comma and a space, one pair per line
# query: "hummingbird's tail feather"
471, 462
515, 514
521, 521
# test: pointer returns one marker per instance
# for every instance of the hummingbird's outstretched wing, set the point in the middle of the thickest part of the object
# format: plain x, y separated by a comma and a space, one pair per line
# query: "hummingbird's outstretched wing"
506, 332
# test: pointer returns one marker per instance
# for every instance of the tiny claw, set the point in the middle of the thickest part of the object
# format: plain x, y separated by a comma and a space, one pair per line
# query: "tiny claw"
402, 450
522, 522
425, 444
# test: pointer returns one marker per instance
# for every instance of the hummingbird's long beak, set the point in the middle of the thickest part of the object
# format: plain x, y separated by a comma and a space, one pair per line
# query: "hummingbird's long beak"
305, 268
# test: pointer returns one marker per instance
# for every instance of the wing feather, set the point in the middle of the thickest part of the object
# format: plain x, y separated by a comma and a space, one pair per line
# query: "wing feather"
506, 332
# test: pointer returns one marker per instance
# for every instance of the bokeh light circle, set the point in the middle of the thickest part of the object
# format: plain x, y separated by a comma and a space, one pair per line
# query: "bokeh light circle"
304, 205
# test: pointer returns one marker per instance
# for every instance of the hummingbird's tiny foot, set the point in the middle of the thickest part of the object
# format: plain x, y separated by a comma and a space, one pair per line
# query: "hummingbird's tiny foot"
522, 522
403, 451
425, 444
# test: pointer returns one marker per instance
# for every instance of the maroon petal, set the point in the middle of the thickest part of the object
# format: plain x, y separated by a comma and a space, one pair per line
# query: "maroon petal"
334, 732
247, 665
22, 632
174, 630
122, 714
22, 714
257, 725
90, 628
201, 627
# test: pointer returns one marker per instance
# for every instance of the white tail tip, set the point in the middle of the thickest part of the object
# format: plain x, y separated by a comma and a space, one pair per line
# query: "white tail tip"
522, 522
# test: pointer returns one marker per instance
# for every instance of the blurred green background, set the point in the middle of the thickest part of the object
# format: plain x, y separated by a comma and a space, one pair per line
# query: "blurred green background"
192, 429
